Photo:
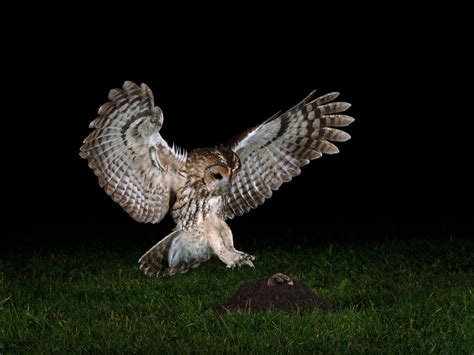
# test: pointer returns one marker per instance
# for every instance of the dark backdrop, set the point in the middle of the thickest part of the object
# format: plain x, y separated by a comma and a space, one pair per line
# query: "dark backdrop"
405, 172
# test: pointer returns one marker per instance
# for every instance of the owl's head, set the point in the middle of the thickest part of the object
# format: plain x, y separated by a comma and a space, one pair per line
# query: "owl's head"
214, 168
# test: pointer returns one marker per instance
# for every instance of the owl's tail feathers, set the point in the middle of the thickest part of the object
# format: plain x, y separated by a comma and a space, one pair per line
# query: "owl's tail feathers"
177, 252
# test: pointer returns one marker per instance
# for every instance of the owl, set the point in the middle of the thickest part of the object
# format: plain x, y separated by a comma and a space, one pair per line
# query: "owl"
203, 188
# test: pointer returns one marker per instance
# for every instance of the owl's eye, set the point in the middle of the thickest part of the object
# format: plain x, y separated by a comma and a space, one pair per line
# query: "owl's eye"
217, 176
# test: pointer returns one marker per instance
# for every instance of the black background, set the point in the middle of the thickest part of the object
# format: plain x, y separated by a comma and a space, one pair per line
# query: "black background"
406, 172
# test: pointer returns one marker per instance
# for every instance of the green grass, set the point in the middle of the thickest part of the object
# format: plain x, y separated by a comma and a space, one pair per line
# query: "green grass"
389, 297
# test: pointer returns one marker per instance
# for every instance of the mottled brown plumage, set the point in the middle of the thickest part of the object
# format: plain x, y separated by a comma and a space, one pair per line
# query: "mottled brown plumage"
148, 178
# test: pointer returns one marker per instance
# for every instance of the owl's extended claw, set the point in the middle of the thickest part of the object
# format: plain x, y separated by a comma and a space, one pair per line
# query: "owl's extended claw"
241, 259
247, 256
247, 262
246, 259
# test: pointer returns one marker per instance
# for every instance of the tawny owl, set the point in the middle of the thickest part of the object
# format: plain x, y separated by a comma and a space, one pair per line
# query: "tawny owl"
204, 187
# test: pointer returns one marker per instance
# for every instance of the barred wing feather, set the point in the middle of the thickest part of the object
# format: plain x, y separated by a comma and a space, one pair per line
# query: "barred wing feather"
273, 152
134, 164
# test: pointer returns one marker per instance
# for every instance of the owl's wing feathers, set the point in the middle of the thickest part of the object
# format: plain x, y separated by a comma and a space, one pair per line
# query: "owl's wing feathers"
134, 164
176, 253
273, 152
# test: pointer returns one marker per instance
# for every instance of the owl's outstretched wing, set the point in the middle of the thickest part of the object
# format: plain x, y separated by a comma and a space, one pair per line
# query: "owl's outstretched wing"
273, 152
134, 164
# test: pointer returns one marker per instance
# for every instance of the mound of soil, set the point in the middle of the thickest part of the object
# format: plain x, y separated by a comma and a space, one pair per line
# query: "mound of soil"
256, 295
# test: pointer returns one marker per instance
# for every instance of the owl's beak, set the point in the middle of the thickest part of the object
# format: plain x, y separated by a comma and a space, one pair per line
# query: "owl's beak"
223, 185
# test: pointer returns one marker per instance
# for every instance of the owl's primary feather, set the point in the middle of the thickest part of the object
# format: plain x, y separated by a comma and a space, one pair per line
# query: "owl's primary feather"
148, 178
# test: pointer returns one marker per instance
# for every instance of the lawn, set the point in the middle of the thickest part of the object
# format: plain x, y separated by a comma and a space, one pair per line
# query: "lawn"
388, 297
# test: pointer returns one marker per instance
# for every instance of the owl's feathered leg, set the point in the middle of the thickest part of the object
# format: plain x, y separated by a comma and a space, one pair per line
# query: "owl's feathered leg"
228, 238
231, 258
221, 241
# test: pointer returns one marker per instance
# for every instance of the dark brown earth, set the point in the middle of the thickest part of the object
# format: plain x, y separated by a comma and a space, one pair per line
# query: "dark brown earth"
255, 295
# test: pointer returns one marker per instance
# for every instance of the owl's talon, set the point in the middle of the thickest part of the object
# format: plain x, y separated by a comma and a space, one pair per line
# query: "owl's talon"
246, 259
247, 262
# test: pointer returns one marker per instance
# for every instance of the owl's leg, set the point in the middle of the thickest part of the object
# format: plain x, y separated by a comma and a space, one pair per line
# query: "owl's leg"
227, 237
228, 257
222, 242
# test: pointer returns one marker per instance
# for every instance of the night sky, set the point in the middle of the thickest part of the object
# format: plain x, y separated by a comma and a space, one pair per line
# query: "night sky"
405, 171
